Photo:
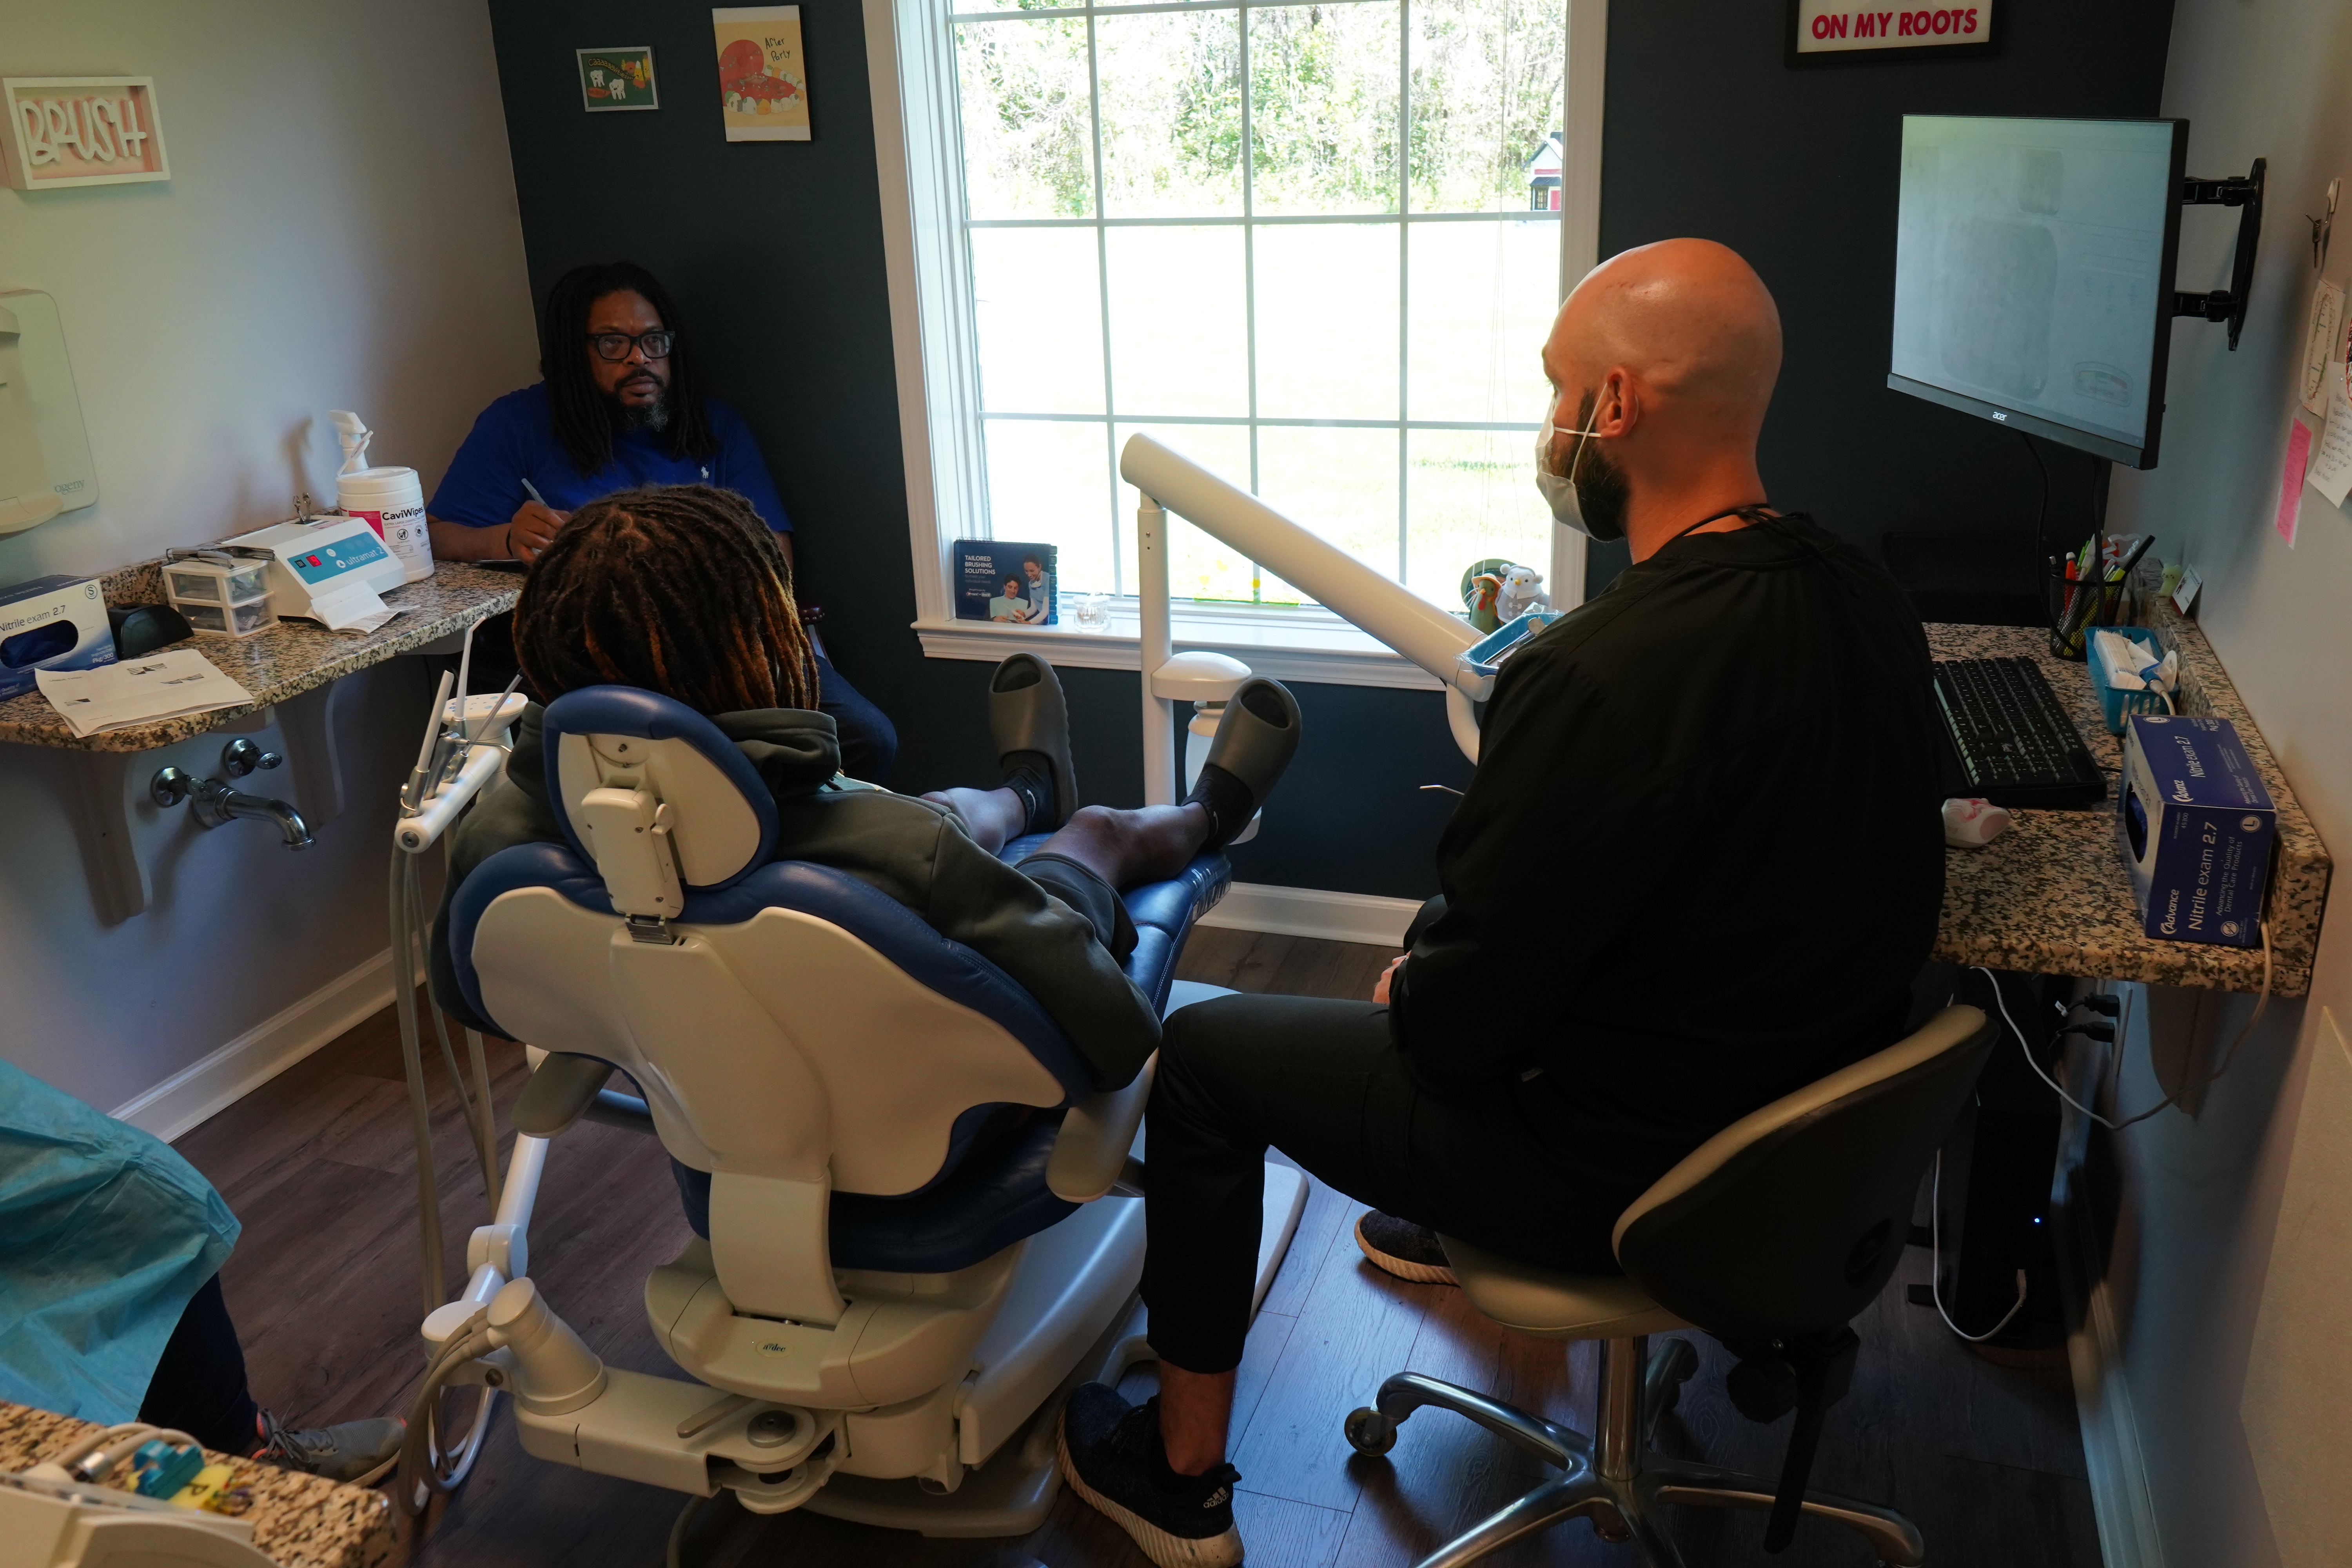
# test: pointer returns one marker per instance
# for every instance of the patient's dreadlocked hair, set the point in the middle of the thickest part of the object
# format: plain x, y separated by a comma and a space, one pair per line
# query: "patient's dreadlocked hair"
680, 589
583, 414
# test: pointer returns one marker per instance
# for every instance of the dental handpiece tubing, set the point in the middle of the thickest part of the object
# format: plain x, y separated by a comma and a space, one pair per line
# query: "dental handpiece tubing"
413, 795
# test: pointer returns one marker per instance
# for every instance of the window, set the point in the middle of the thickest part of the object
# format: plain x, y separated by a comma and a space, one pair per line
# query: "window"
1313, 247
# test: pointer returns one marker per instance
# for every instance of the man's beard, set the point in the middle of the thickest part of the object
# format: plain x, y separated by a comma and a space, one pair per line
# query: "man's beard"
1602, 493
654, 415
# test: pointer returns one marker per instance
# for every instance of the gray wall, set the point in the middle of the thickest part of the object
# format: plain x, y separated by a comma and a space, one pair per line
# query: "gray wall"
1710, 134
2235, 1256
774, 252
339, 232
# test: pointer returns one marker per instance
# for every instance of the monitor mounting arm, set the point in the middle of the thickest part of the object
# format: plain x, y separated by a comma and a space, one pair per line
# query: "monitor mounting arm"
2245, 194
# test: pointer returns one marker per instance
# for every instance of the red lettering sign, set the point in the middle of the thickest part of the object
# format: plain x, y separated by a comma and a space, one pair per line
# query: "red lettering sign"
1823, 30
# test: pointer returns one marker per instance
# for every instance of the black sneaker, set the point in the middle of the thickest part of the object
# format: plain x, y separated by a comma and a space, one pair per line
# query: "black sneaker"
1407, 1251
1111, 1454
358, 1451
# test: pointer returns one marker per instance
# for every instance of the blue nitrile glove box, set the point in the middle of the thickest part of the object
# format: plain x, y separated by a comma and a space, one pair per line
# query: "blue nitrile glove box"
2198, 828
51, 623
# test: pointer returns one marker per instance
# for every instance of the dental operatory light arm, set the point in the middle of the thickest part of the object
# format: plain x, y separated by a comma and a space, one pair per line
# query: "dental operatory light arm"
1420, 631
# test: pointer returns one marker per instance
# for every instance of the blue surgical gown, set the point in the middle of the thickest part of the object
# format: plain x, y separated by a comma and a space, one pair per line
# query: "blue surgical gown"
105, 1234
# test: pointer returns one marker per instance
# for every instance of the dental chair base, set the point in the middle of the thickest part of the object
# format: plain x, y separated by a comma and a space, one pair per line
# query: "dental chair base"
969, 1459
1012, 1492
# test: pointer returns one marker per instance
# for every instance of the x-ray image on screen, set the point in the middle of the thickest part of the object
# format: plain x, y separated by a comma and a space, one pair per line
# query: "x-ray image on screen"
2032, 270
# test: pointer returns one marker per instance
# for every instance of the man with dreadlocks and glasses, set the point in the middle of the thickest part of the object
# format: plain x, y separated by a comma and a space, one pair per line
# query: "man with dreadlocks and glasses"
681, 591
617, 407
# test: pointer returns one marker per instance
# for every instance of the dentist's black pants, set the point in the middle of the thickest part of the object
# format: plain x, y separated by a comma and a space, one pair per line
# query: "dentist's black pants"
199, 1385
1325, 1083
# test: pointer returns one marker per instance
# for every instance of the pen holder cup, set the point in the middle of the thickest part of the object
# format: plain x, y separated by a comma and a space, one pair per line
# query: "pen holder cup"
2073, 605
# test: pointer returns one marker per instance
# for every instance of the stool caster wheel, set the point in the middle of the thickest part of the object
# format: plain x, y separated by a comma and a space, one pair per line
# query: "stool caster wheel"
1369, 1433
1671, 1365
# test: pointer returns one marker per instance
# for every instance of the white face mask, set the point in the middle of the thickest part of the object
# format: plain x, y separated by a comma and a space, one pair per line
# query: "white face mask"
1558, 491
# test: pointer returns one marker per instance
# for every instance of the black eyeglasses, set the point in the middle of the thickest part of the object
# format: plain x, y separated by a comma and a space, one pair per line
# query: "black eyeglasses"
615, 346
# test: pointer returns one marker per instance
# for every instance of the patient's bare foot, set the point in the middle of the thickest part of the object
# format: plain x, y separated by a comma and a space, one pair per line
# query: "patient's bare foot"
994, 818
1124, 847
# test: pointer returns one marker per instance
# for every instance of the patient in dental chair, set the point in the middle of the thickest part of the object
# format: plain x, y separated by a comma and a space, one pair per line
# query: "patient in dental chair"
681, 590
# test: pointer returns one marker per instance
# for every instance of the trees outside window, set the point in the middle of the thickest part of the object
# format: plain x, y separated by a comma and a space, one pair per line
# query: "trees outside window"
1295, 242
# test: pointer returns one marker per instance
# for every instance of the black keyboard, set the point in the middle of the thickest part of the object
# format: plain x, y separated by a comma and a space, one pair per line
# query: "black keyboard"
2011, 742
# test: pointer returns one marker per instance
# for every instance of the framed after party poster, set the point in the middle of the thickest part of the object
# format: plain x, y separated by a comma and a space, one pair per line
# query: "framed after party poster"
762, 80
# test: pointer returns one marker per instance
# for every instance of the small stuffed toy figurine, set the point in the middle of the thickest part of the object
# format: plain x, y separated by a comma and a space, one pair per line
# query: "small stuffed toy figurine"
1521, 591
1485, 589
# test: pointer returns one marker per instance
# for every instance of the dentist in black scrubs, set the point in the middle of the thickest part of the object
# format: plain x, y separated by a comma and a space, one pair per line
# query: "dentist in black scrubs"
1697, 868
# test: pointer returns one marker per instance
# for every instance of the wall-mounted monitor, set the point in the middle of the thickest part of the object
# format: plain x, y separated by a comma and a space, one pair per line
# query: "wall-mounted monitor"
2033, 273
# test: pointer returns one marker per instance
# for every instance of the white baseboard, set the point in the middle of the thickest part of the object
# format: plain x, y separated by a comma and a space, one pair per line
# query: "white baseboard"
270, 1046
1311, 911
2121, 1497
261, 1053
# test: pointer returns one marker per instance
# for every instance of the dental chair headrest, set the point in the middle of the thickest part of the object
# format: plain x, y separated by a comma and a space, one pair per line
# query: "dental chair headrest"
600, 735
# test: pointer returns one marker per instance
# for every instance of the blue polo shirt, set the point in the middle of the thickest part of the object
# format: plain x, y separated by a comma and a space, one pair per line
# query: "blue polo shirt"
514, 440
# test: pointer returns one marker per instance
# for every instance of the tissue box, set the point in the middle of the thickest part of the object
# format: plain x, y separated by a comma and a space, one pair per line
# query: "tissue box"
51, 623
2116, 705
2198, 828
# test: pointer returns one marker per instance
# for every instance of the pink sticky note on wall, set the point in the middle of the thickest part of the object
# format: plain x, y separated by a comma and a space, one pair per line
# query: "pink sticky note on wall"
2298, 456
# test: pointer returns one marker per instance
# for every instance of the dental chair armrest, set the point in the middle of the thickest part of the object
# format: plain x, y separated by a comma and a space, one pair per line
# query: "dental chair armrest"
559, 1093
1097, 1133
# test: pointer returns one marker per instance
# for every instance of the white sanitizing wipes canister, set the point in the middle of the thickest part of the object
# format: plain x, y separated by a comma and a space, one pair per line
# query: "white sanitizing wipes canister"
393, 504
389, 498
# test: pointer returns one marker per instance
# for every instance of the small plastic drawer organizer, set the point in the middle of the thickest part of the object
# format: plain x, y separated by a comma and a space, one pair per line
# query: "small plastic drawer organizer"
221, 594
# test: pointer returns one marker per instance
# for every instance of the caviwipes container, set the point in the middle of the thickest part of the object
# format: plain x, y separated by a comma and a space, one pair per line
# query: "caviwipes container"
393, 504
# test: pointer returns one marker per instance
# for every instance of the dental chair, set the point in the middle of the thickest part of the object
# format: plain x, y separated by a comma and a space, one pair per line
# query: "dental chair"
888, 1289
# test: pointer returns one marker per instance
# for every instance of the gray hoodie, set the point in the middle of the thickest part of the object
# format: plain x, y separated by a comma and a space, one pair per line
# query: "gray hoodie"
917, 853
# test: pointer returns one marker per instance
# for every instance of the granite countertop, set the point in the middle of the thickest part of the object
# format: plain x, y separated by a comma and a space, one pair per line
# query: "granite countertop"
300, 1520
2051, 896
285, 662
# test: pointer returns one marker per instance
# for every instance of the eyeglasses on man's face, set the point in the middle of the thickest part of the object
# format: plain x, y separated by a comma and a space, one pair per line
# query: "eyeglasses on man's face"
615, 346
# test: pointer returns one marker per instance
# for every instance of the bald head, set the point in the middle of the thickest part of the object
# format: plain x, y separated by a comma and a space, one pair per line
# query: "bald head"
1662, 364
1686, 318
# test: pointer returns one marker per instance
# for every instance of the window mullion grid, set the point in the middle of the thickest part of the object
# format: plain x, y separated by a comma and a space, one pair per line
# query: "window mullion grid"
1102, 291
1249, 274
1404, 265
1249, 220
1066, 13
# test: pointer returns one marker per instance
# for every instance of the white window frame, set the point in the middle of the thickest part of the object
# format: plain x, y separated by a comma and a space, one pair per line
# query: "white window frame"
918, 146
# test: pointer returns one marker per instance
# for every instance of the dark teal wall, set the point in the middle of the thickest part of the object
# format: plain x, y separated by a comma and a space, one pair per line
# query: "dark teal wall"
774, 252
1710, 133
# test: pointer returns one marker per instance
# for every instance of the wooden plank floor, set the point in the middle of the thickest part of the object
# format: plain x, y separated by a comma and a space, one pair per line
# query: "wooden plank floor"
320, 1164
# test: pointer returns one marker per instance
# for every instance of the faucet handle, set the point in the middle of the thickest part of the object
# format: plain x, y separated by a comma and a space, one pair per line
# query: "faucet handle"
241, 756
170, 786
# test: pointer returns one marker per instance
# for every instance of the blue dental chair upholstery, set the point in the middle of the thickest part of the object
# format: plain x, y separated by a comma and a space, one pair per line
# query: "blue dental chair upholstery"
862, 1114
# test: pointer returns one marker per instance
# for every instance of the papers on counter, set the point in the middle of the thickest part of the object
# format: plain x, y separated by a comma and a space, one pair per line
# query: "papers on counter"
351, 607
138, 691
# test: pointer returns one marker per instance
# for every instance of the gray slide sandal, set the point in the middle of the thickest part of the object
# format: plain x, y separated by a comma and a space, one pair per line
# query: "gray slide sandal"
1026, 713
1255, 740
